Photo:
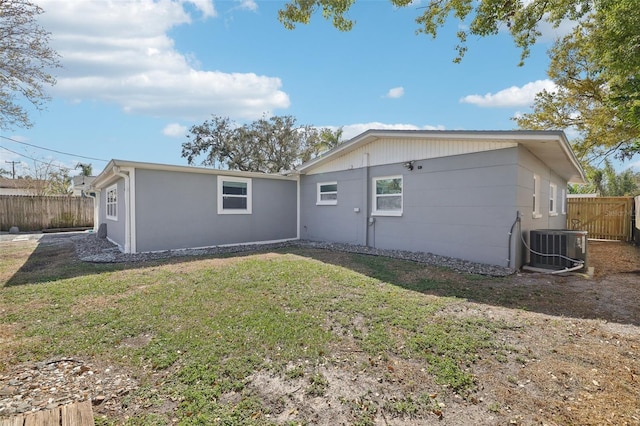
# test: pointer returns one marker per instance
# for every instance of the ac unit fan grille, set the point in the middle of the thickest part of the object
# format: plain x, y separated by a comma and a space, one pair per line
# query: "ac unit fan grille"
557, 249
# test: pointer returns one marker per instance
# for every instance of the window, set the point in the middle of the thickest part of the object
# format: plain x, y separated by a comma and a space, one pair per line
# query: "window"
234, 195
327, 193
536, 196
387, 196
564, 201
112, 202
553, 199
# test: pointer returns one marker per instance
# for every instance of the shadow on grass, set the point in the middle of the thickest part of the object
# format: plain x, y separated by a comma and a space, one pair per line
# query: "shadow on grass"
55, 258
568, 296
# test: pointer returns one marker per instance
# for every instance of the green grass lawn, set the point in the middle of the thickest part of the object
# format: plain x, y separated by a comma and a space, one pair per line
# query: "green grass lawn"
210, 324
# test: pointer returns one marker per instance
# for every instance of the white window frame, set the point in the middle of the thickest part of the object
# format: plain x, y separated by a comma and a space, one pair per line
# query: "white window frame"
536, 197
319, 200
111, 202
563, 202
374, 196
553, 199
248, 196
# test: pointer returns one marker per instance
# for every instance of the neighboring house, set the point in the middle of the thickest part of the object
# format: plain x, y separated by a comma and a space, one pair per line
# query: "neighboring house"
80, 185
22, 186
452, 193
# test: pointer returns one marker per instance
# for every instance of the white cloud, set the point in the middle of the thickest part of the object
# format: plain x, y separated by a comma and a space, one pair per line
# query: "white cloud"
396, 92
550, 33
513, 96
174, 130
248, 5
351, 130
119, 52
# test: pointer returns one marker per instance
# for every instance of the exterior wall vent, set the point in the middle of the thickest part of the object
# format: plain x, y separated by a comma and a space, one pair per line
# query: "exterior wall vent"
558, 249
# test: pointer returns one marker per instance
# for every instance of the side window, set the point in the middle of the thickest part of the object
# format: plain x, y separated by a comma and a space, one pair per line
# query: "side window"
327, 193
563, 201
387, 196
234, 195
536, 196
553, 199
112, 202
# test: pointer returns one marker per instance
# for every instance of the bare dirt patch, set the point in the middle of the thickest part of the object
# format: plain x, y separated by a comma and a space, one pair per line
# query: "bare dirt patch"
572, 348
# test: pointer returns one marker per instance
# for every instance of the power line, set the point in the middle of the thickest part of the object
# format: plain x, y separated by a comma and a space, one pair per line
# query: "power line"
34, 159
52, 150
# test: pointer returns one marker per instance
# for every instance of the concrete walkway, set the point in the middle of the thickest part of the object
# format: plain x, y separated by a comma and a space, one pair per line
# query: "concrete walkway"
5, 237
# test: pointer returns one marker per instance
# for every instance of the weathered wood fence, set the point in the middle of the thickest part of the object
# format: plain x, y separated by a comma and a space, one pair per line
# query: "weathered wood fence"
609, 218
636, 227
36, 213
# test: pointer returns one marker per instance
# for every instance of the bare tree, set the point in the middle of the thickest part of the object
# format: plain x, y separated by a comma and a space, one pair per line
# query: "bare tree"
26, 61
48, 178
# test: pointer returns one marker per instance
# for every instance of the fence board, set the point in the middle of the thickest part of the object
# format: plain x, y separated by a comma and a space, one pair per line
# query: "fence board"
608, 218
636, 225
35, 213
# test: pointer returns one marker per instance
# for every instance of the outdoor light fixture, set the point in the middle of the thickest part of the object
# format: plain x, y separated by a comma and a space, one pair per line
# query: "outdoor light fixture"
408, 165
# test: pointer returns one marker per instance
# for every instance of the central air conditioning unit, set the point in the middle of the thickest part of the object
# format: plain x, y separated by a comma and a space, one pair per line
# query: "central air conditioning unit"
558, 249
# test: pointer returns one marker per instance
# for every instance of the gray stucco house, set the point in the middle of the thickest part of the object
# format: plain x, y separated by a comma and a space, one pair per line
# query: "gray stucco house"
453, 193
154, 207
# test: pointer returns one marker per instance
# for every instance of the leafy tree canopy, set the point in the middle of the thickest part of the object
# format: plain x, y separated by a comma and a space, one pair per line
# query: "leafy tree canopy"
25, 62
596, 68
85, 169
268, 145
607, 182
520, 18
598, 93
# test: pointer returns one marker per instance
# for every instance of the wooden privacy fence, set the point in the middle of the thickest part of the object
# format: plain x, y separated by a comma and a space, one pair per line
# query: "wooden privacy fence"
35, 213
636, 227
608, 218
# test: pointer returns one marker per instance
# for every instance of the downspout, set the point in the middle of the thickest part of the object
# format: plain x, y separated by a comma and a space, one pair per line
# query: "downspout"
96, 208
365, 197
127, 215
132, 210
298, 206
509, 258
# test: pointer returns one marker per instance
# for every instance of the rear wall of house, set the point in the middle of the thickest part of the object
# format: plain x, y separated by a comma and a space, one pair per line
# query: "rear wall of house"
528, 166
461, 206
179, 210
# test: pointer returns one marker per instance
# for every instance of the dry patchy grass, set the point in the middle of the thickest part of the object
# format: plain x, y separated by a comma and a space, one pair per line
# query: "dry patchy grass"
317, 337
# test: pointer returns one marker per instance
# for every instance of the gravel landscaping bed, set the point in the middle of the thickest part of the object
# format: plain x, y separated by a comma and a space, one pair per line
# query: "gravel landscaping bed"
90, 248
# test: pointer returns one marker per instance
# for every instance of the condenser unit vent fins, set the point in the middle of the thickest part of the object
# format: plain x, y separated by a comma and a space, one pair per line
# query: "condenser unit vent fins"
558, 249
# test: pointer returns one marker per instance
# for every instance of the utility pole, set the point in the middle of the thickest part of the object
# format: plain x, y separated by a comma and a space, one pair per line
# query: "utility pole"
13, 168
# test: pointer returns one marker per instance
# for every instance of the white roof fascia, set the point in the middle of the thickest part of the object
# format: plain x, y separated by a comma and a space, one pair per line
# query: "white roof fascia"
107, 176
528, 138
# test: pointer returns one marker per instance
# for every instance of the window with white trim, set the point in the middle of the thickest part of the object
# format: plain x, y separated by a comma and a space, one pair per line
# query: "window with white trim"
327, 193
563, 201
553, 199
536, 196
387, 196
112, 202
234, 195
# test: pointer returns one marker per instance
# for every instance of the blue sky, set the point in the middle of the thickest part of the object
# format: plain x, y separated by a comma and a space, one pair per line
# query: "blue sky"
137, 74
